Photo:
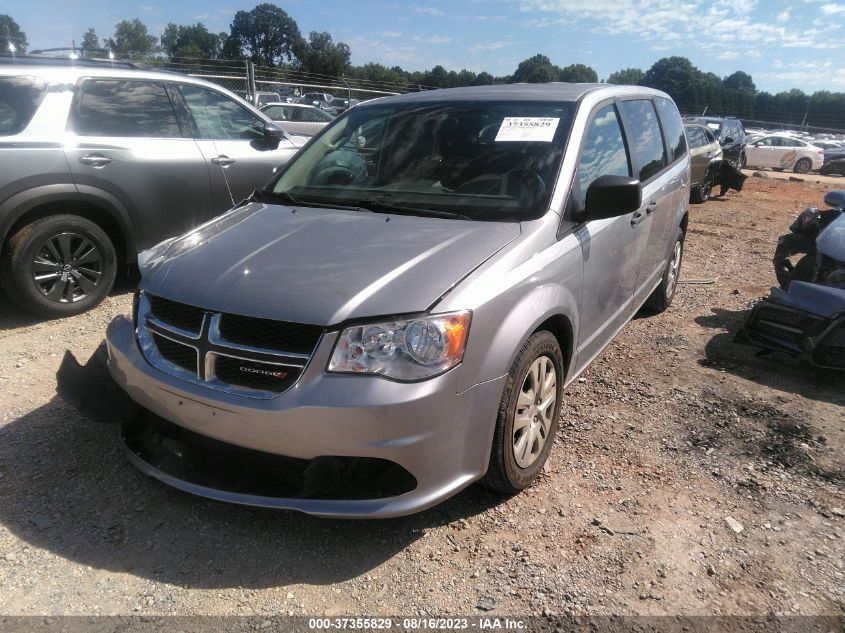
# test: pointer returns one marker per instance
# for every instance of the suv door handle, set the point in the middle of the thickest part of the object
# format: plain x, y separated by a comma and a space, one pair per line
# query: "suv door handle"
651, 207
222, 160
97, 160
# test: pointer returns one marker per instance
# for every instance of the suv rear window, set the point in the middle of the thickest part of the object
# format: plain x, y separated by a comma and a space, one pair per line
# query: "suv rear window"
673, 126
19, 99
647, 137
117, 107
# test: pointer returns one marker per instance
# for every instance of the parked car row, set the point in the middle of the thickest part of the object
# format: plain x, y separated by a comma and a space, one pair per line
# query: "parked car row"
101, 161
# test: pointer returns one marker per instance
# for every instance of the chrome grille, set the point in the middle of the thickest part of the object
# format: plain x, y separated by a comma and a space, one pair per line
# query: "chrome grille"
250, 356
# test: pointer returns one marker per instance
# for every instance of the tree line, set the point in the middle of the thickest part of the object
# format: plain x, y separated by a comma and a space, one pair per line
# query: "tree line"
268, 36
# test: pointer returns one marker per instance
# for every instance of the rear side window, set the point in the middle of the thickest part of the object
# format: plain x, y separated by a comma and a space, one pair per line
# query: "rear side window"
646, 138
673, 126
19, 99
116, 107
603, 152
696, 137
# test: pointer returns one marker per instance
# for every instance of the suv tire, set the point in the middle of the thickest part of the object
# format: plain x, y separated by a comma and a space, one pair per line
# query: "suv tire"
701, 193
661, 298
58, 266
508, 471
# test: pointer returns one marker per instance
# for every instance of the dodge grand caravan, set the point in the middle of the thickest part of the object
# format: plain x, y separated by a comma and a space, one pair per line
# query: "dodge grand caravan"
397, 313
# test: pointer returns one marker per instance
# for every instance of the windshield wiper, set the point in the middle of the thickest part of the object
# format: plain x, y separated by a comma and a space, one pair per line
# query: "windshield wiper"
379, 205
291, 199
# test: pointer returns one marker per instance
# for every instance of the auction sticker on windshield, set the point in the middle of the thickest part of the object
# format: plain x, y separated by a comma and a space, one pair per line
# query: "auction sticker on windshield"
524, 128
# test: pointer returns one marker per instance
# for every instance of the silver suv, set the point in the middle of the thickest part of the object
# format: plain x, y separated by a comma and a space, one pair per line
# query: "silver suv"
101, 160
397, 314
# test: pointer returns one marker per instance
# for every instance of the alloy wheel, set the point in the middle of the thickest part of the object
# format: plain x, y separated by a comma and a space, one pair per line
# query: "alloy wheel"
674, 269
535, 408
67, 268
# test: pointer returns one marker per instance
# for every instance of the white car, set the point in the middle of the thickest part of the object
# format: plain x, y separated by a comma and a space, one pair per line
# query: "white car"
779, 151
298, 118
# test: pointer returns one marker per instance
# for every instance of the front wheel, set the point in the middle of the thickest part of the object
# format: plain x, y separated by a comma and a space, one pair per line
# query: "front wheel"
662, 296
59, 266
528, 415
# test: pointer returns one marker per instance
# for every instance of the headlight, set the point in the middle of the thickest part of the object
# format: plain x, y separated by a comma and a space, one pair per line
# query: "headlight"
405, 350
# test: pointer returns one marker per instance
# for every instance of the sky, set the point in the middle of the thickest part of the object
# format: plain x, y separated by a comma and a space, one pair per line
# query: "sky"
782, 44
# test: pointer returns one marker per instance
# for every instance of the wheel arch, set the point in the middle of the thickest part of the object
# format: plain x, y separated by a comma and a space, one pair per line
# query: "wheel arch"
87, 202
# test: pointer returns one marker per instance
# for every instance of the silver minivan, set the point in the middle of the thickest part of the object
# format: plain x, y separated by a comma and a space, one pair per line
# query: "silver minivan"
398, 313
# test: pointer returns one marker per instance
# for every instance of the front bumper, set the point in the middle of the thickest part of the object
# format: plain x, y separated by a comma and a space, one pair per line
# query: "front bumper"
439, 436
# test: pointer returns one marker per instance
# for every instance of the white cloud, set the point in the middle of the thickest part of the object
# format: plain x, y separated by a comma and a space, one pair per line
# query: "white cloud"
832, 9
434, 39
390, 34
427, 10
493, 46
727, 55
783, 17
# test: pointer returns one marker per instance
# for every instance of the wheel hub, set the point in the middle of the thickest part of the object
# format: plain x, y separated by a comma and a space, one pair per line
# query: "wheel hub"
67, 267
534, 412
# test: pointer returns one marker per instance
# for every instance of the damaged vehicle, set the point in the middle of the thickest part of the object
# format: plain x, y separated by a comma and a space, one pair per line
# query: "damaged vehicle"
806, 315
397, 314
705, 161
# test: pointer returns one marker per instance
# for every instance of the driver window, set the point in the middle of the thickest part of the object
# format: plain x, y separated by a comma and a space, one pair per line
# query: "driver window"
219, 117
603, 152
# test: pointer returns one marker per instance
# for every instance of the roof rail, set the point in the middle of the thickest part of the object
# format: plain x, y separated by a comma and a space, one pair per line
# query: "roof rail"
57, 60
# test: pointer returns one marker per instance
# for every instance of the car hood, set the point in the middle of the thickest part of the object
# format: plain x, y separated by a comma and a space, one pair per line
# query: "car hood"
319, 266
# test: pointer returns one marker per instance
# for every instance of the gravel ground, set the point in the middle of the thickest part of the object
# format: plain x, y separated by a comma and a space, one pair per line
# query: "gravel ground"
689, 476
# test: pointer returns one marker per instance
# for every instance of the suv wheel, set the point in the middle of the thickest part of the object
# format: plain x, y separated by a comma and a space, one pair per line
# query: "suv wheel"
701, 193
528, 415
742, 161
59, 266
662, 296
802, 166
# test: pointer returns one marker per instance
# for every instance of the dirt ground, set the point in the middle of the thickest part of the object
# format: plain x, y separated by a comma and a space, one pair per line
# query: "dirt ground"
673, 430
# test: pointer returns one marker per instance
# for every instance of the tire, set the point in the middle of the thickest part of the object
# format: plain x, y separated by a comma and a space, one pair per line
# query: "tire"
58, 266
742, 162
802, 166
701, 193
512, 469
661, 298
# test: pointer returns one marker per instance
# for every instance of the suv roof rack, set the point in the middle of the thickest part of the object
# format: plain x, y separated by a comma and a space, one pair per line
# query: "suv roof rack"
56, 60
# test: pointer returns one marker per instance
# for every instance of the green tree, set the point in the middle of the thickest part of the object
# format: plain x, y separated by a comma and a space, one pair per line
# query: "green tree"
578, 73
131, 39
321, 56
537, 69
190, 41
267, 34
10, 33
90, 40
627, 77
739, 81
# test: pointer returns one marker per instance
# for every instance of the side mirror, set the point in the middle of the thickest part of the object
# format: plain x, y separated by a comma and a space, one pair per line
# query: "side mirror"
728, 140
273, 134
612, 196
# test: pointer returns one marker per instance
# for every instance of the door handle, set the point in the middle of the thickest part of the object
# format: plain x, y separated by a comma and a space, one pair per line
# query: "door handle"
709, 154
637, 218
97, 160
651, 207
222, 160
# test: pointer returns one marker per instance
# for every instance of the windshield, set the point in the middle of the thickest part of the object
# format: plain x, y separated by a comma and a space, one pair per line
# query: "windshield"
477, 160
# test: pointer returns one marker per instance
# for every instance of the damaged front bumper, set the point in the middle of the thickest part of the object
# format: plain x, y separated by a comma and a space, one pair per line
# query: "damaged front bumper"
807, 321
332, 446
